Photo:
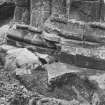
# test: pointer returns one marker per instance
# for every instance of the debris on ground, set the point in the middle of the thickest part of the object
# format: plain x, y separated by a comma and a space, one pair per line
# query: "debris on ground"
47, 58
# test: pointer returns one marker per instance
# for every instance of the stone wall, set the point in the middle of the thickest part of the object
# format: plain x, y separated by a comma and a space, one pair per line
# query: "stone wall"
87, 10
36, 12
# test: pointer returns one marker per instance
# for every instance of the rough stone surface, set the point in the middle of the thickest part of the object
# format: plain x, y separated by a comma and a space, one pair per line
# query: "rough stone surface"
28, 76
3, 31
40, 11
20, 57
59, 8
75, 43
69, 86
53, 37
58, 80
21, 15
86, 11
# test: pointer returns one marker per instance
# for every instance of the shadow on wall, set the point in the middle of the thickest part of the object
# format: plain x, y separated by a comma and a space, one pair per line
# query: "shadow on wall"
7, 10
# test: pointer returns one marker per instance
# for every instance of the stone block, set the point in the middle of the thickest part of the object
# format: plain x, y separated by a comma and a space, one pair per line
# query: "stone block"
86, 10
22, 15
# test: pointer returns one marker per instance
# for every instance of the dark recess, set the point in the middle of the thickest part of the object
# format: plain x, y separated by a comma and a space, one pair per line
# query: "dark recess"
7, 10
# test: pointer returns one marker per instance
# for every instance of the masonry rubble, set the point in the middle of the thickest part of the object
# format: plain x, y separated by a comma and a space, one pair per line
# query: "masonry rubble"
47, 54
46, 78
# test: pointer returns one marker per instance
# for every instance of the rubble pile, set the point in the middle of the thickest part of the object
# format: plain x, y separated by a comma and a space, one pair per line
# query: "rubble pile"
46, 59
49, 80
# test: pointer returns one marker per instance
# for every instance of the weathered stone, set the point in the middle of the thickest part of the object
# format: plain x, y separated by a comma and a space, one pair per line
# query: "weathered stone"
42, 50
27, 27
64, 82
22, 12
10, 63
53, 37
22, 3
54, 101
57, 69
22, 15
34, 39
23, 71
19, 99
68, 29
59, 8
92, 84
36, 81
78, 45
40, 11
100, 79
86, 10
21, 26
40, 100
45, 58
20, 58
33, 29
6, 1
2, 58
17, 34
77, 30
29, 37
95, 33
5, 47
83, 57
83, 43
59, 80
26, 37
23, 56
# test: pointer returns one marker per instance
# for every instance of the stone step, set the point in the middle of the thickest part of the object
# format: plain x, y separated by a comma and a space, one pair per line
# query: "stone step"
81, 61
82, 44
25, 36
77, 30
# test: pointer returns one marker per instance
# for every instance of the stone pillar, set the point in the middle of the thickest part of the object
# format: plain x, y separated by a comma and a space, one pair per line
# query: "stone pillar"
22, 14
40, 11
59, 8
68, 2
102, 10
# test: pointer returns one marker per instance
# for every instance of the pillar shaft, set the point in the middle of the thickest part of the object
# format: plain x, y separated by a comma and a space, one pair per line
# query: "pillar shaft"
40, 11
59, 7
22, 13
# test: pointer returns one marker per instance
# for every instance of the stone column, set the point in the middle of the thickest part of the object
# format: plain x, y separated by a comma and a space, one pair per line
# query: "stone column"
102, 10
22, 14
59, 8
40, 11
68, 2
